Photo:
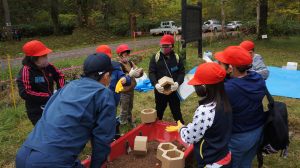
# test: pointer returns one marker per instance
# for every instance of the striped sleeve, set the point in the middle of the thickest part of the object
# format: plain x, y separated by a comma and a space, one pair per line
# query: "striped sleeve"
59, 77
26, 83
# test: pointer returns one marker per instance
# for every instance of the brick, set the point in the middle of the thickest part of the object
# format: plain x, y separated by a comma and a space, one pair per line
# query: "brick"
166, 82
140, 145
148, 115
173, 159
164, 147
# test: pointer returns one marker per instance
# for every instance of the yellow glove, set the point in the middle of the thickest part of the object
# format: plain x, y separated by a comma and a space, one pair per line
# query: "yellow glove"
119, 86
174, 128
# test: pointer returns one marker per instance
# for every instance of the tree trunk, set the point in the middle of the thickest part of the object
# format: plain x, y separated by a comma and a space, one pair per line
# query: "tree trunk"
105, 15
79, 14
82, 13
262, 18
7, 30
223, 18
132, 23
54, 16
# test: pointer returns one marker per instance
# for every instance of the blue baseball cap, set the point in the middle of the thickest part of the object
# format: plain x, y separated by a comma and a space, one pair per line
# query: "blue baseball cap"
97, 63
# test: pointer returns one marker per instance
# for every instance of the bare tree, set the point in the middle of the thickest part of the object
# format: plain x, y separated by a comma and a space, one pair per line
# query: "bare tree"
82, 12
262, 18
223, 18
7, 19
54, 12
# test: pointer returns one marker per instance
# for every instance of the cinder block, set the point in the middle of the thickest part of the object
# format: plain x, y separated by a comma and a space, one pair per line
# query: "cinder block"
166, 82
173, 159
164, 147
148, 115
140, 145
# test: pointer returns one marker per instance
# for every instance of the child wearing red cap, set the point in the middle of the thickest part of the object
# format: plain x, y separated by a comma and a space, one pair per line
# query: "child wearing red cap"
36, 79
211, 127
127, 95
167, 63
258, 64
246, 90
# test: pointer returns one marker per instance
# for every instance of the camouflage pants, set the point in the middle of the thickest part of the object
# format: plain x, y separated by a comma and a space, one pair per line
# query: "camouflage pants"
126, 104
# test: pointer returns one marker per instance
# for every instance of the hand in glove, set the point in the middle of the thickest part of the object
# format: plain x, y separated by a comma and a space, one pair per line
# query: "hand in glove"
174, 87
159, 88
133, 72
139, 73
174, 128
119, 86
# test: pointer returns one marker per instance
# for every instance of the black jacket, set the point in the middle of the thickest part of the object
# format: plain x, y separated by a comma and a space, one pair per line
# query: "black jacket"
158, 69
36, 86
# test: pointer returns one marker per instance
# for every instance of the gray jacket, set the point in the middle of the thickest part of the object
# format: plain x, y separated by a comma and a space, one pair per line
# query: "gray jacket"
259, 66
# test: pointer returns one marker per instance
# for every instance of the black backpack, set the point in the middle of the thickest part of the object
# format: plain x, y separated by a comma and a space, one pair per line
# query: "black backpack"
276, 131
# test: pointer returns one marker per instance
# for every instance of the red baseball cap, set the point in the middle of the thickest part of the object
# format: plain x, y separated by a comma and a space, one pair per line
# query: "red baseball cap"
208, 73
104, 49
167, 39
122, 48
235, 56
35, 48
247, 45
220, 56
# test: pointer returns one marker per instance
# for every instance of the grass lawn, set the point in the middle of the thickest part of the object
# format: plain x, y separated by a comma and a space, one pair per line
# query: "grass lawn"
277, 51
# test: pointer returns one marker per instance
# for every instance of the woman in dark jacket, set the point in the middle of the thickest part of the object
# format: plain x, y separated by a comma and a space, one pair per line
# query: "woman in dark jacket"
36, 79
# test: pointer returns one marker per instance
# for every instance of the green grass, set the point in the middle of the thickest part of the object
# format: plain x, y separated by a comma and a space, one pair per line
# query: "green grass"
276, 52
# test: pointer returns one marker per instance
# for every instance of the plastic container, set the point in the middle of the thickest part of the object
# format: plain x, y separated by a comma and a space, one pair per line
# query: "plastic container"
154, 131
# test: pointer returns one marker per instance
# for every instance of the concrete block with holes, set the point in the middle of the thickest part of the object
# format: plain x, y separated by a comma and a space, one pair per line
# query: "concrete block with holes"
166, 83
164, 147
173, 159
148, 115
140, 145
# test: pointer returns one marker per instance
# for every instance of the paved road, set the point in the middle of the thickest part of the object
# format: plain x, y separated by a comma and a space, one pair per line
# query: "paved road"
139, 44
143, 43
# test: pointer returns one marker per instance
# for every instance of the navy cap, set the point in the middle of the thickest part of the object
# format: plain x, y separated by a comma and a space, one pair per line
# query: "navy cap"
97, 63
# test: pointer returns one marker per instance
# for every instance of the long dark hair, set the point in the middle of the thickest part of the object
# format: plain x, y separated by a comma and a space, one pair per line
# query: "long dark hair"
214, 93
29, 60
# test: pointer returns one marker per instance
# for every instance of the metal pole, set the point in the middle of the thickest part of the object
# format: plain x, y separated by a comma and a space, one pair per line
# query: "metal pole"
11, 82
183, 33
200, 40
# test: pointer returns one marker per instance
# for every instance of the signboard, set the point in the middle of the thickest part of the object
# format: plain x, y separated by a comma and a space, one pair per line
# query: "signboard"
192, 28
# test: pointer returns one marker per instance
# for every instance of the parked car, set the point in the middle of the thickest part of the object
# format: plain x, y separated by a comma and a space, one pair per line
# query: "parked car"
166, 27
234, 25
211, 25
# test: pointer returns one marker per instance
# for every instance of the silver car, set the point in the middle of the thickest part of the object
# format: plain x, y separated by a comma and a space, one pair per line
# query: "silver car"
211, 25
234, 25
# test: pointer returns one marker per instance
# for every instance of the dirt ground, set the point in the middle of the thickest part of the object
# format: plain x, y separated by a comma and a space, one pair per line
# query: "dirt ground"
135, 161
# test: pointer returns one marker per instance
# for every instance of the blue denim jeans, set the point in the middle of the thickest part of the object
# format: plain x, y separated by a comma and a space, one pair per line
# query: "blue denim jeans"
243, 147
30, 158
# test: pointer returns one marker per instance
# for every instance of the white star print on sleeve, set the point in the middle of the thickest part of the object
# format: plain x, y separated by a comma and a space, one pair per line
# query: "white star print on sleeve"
202, 120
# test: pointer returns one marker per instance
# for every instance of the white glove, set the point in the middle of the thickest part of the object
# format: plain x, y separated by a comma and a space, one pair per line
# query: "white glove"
159, 88
139, 73
207, 56
174, 87
133, 72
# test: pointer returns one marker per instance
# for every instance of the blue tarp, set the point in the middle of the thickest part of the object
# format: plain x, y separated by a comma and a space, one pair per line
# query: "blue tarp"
283, 82
144, 85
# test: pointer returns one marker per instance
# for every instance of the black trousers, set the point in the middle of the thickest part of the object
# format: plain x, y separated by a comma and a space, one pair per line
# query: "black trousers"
162, 101
34, 113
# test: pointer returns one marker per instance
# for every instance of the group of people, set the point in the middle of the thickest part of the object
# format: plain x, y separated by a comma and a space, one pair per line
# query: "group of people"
226, 127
